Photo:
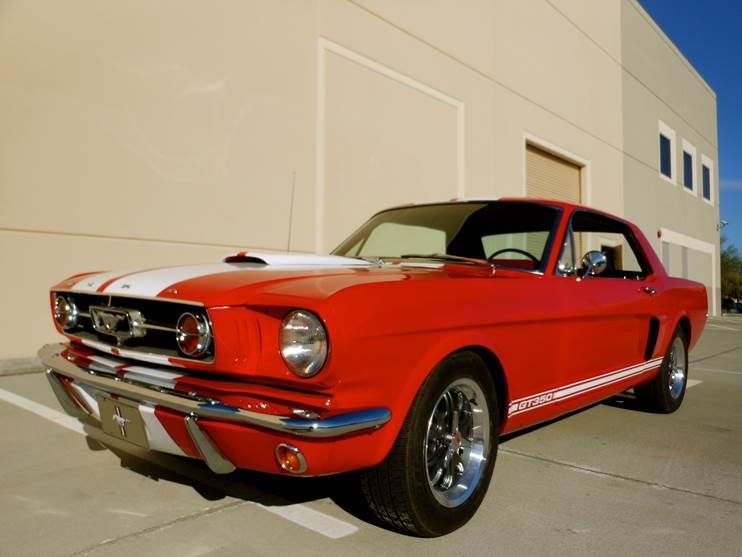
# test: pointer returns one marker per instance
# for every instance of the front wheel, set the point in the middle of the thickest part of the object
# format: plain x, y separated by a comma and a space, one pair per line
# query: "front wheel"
665, 393
438, 470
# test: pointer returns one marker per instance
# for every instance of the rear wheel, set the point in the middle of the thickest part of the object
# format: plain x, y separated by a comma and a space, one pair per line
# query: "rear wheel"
438, 470
666, 391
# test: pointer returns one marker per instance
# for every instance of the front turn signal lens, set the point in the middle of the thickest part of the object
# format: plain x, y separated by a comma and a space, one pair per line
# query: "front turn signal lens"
290, 459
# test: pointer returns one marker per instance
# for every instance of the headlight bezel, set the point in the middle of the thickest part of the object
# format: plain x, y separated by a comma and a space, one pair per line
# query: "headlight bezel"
66, 313
202, 333
307, 358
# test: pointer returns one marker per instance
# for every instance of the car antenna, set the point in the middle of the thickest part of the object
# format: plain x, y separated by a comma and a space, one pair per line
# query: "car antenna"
291, 210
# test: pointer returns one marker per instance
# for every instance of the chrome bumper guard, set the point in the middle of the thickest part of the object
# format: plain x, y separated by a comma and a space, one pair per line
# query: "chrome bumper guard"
52, 357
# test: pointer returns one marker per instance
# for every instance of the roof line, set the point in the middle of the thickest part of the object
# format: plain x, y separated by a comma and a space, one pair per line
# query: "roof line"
657, 29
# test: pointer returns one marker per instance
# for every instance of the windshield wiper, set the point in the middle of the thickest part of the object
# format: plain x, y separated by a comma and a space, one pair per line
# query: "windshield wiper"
449, 257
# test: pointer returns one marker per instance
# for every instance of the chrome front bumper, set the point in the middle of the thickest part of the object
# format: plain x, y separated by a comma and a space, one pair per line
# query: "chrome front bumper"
53, 358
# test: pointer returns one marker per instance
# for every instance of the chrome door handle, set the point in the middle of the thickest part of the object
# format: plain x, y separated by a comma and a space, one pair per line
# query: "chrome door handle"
648, 290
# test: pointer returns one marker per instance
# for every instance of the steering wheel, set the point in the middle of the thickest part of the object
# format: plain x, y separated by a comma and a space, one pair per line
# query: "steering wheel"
516, 250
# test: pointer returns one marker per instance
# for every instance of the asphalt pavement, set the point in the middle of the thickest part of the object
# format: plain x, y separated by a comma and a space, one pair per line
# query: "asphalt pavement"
607, 480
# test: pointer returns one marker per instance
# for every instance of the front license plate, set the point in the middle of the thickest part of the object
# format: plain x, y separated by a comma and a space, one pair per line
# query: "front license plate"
122, 420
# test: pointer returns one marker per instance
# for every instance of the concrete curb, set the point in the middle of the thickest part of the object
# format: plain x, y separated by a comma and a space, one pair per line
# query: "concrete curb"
17, 366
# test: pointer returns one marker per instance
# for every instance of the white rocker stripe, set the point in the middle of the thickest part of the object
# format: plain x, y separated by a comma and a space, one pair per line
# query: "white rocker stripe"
531, 402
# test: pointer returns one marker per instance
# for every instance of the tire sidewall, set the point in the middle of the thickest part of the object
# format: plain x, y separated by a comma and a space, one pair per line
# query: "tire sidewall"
671, 404
438, 518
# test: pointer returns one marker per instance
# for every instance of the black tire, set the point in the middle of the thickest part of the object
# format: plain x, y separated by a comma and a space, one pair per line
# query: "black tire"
398, 491
664, 394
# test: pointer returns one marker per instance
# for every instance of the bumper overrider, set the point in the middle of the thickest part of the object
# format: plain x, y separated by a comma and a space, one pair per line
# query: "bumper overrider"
216, 430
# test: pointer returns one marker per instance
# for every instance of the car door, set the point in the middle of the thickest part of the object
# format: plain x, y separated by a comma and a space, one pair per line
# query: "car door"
606, 316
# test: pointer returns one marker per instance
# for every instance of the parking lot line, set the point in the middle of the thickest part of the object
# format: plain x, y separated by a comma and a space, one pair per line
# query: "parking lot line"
300, 514
722, 327
43, 411
716, 370
693, 383
313, 520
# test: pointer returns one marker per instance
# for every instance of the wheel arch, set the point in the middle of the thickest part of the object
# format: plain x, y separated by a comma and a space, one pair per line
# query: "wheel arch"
684, 323
497, 372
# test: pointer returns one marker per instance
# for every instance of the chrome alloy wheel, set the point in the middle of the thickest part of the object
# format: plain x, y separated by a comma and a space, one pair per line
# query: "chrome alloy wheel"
677, 368
457, 442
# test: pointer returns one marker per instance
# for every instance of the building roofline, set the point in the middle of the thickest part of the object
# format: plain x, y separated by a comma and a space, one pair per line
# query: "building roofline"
642, 12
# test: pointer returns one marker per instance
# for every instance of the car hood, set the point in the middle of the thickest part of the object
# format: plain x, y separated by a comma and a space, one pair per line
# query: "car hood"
260, 277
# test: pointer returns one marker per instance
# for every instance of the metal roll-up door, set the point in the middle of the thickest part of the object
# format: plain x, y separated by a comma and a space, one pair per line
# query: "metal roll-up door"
551, 177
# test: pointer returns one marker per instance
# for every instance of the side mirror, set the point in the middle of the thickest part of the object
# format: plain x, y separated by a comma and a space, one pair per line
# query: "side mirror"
594, 263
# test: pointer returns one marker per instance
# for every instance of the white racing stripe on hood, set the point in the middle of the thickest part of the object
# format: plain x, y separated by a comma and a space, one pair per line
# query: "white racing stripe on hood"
91, 284
151, 283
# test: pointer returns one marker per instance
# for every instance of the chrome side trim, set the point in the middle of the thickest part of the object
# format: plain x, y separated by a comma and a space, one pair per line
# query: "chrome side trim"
65, 401
209, 451
332, 426
338, 424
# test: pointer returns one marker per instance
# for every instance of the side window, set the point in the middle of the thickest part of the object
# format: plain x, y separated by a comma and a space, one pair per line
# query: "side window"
592, 232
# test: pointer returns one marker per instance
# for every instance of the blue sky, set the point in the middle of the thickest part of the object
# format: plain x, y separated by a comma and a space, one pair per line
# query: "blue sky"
709, 34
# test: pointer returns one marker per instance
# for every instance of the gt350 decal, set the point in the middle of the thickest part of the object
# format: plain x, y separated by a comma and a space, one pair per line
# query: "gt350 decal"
551, 396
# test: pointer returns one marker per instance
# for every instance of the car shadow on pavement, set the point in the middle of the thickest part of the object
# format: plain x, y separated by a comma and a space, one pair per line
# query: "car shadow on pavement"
264, 489
272, 489
625, 400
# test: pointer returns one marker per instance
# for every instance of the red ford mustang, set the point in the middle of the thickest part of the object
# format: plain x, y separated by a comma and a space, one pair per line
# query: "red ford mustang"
430, 332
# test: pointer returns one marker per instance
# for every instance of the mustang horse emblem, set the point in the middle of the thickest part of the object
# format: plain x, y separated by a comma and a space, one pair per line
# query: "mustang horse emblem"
108, 321
120, 323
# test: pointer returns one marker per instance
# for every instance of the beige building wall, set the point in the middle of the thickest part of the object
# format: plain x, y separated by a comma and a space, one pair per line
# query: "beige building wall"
659, 85
141, 134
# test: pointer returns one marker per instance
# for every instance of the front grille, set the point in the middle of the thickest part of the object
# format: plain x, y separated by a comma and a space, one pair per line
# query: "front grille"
159, 318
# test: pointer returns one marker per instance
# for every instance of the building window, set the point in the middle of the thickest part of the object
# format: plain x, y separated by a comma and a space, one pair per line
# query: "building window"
687, 170
667, 164
707, 179
689, 167
665, 158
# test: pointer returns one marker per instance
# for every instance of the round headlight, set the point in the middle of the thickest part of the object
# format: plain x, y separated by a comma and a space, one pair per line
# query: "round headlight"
193, 334
303, 343
65, 312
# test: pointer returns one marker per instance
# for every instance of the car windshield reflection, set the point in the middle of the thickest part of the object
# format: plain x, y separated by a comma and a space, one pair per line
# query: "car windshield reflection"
513, 234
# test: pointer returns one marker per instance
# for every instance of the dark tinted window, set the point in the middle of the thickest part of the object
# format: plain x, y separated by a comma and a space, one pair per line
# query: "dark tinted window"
513, 234
706, 182
687, 170
591, 231
665, 156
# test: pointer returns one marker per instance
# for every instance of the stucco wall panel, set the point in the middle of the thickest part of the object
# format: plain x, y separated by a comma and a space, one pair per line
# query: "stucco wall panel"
386, 143
159, 111
658, 66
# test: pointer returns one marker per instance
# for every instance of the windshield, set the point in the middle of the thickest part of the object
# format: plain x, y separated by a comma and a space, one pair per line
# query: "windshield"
509, 233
